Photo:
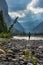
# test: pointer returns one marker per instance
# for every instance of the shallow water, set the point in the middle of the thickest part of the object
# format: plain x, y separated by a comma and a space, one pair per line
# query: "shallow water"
27, 38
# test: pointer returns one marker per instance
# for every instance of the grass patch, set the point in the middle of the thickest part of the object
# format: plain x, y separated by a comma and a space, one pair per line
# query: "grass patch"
27, 54
2, 42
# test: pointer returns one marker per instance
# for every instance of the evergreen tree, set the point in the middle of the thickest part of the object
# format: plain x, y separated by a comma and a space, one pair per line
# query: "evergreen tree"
3, 27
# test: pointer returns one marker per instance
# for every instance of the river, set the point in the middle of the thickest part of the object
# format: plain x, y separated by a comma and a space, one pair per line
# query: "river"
27, 38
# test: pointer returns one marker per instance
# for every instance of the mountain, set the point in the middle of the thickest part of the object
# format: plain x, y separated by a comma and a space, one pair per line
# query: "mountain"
4, 8
18, 28
38, 28
29, 26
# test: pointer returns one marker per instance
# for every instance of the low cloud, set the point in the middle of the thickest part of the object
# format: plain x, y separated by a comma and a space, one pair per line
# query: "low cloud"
33, 8
15, 14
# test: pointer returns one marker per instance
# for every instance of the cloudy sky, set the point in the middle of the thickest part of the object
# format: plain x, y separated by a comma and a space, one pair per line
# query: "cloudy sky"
24, 8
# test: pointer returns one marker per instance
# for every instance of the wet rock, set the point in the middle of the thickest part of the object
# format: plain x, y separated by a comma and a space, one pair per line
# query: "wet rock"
29, 64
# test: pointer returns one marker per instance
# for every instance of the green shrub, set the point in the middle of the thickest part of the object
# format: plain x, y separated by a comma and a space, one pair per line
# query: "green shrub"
5, 35
33, 58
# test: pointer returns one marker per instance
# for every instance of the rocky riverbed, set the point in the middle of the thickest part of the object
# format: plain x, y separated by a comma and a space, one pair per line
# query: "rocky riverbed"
12, 52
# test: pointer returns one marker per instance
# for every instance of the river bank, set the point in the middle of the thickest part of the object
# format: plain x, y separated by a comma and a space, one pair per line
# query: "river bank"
15, 48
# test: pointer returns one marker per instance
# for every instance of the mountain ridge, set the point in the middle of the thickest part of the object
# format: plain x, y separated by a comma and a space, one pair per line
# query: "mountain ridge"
39, 28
